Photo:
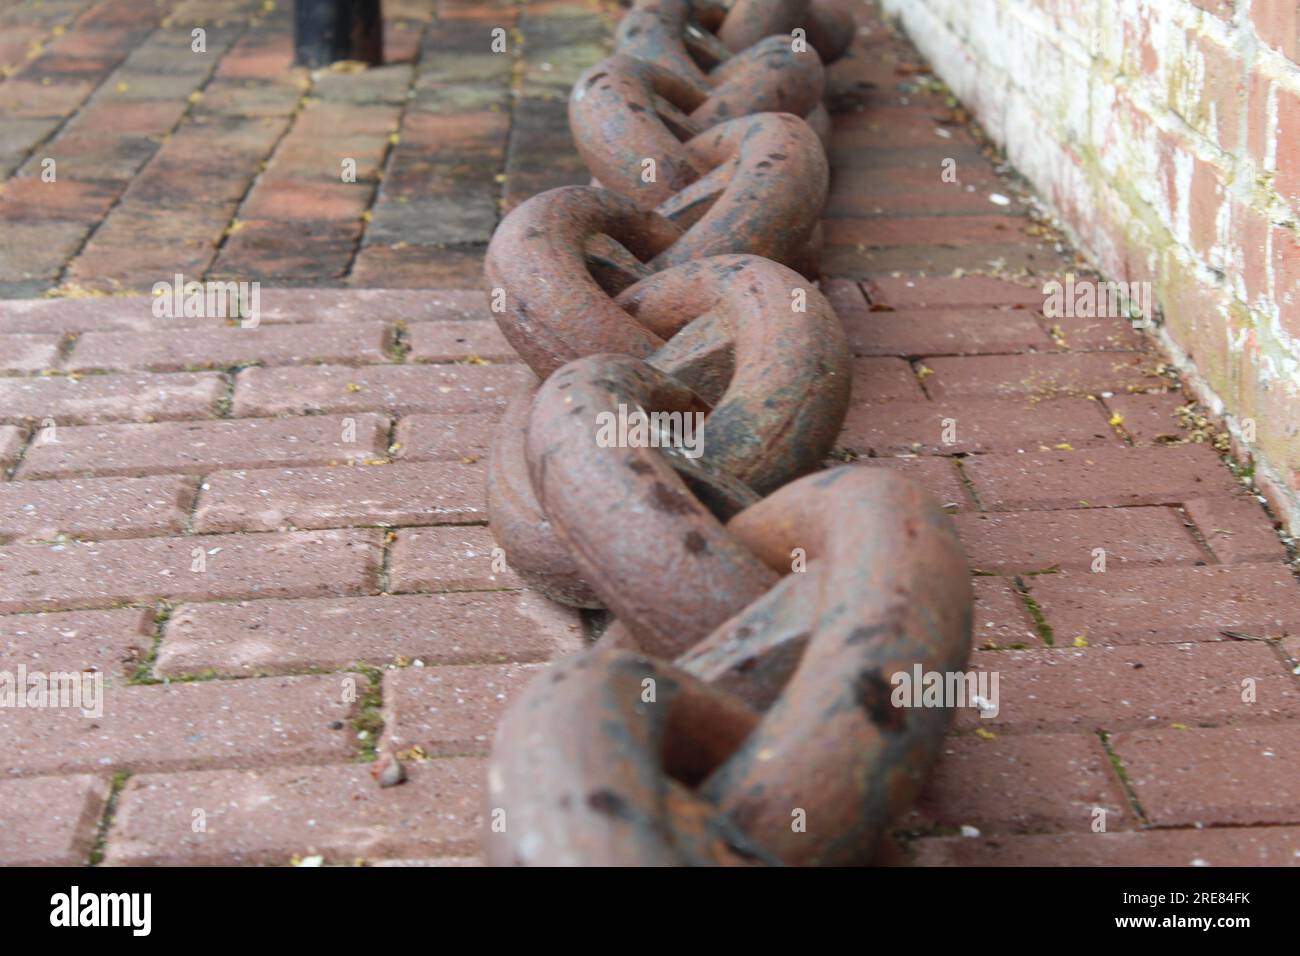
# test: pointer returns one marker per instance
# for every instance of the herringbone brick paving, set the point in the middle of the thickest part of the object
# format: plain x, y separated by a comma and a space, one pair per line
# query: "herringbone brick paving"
271, 541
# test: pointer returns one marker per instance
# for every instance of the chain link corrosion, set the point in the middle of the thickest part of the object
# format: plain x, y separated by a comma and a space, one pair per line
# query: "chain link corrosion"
738, 708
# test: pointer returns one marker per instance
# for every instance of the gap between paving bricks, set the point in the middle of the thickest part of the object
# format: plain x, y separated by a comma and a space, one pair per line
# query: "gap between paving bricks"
400, 348
386, 561
390, 149
1194, 529
1116, 767
98, 846
518, 66
967, 483
162, 613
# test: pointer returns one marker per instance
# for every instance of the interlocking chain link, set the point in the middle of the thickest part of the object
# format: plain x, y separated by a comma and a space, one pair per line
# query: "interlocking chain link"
729, 693
785, 707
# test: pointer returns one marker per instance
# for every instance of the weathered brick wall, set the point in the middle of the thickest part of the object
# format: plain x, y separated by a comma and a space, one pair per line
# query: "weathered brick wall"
1165, 134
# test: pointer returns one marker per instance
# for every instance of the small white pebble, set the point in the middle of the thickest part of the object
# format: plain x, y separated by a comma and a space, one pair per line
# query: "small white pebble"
999, 200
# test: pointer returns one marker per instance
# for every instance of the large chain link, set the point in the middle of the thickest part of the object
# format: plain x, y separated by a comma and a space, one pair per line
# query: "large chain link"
728, 693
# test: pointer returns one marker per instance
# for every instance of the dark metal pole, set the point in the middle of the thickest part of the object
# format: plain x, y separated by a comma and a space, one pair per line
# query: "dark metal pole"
325, 31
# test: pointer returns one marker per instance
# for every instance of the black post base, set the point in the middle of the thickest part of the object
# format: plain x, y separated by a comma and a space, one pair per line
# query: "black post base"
325, 31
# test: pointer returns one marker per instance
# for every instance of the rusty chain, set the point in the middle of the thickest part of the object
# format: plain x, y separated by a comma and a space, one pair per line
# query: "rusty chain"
734, 687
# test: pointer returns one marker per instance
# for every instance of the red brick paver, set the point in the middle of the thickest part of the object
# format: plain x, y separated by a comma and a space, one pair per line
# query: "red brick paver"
79, 400
51, 821
1162, 604
277, 814
1099, 540
1237, 775
1097, 478
244, 723
113, 642
1018, 784
1118, 687
405, 389
292, 635
400, 494
211, 567
226, 346
200, 446
449, 710
976, 426
95, 508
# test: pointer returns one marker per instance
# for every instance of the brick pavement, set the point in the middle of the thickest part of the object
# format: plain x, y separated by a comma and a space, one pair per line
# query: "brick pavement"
271, 543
